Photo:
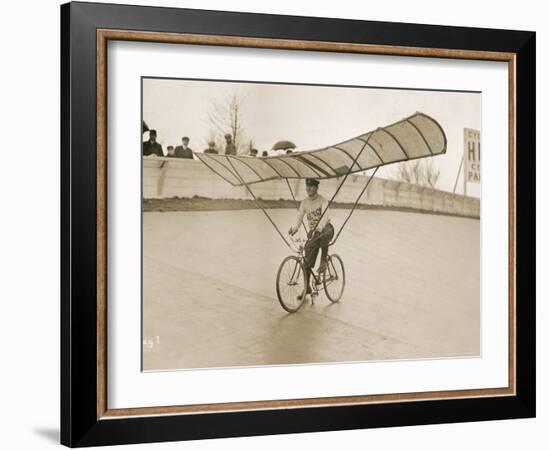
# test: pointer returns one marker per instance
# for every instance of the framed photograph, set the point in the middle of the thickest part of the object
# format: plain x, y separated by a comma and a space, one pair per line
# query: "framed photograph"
277, 224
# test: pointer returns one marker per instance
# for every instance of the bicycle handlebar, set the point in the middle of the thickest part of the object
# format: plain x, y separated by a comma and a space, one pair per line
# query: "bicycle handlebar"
298, 243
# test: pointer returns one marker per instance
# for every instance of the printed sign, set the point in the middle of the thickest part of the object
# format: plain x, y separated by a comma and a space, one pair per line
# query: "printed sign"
472, 156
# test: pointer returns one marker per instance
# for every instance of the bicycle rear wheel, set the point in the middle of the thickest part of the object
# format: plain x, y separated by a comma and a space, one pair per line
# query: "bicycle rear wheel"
334, 278
291, 284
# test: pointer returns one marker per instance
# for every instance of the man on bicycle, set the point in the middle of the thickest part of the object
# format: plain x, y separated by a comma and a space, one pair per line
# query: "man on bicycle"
320, 230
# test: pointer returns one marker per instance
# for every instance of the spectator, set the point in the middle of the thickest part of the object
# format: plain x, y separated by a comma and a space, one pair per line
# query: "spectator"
289, 151
171, 152
230, 148
183, 150
264, 153
152, 147
211, 148
254, 152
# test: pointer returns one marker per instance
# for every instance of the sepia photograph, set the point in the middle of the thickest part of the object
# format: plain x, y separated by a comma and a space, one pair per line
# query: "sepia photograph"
307, 241
289, 224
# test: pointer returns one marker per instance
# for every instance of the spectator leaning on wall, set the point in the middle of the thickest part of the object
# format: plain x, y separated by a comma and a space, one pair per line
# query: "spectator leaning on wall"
170, 152
152, 147
211, 148
183, 150
230, 148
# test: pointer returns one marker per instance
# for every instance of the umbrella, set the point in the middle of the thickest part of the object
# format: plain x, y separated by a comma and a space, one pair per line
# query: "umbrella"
284, 145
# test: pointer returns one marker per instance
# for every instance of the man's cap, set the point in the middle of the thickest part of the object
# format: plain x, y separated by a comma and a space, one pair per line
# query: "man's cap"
185, 138
227, 135
312, 182
152, 132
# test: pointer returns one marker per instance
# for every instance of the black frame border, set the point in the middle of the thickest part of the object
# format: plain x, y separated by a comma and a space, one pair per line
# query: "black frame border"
79, 423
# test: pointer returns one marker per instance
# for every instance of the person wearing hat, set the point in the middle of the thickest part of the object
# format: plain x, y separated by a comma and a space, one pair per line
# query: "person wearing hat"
183, 150
171, 153
320, 231
230, 148
152, 147
211, 148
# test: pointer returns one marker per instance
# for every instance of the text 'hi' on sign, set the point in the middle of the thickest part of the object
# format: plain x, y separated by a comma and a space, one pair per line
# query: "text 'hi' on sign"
472, 155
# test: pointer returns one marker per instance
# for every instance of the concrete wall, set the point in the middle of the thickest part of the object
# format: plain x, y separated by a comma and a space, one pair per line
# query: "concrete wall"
168, 177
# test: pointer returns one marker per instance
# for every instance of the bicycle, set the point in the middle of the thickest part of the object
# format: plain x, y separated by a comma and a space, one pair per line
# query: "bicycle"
290, 284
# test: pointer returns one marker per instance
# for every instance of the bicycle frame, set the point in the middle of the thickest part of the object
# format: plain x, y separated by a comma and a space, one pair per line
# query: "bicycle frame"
298, 247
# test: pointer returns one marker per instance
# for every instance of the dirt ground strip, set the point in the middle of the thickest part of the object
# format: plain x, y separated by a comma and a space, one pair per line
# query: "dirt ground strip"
197, 203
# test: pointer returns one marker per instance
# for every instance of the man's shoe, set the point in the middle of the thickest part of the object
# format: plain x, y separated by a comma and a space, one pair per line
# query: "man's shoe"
308, 291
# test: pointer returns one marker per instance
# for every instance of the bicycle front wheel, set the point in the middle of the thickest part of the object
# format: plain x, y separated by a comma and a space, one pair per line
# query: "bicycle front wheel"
291, 288
334, 278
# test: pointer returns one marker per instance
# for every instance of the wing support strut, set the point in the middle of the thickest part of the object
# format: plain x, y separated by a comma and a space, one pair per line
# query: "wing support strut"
354, 206
294, 198
259, 205
340, 187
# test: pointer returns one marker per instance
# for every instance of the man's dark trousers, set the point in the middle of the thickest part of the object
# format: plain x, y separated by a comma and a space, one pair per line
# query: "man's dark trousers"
320, 240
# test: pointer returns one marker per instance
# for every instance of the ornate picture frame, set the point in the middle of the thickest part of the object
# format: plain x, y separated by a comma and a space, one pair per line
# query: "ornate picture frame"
86, 418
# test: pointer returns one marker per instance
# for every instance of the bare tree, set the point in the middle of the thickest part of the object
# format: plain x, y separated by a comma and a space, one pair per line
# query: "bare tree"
431, 174
410, 172
226, 116
419, 172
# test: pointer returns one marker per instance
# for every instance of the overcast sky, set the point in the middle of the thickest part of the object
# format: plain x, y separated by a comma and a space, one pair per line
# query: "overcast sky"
310, 116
